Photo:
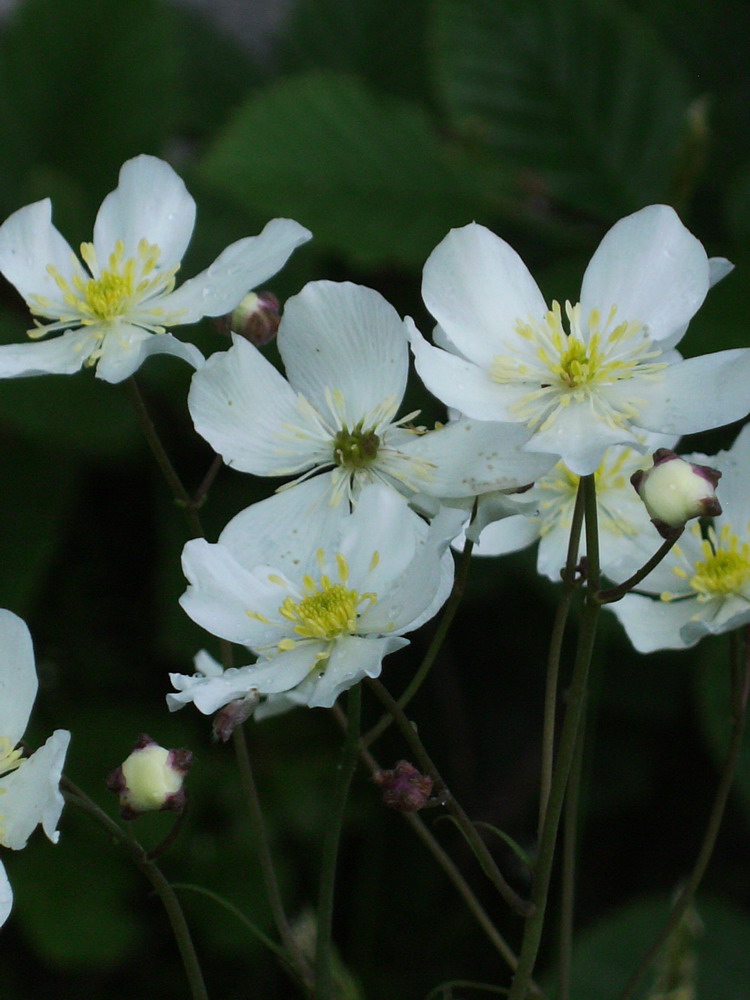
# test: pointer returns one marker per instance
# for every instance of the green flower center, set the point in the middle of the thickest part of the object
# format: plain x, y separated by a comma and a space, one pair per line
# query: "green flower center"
355, 449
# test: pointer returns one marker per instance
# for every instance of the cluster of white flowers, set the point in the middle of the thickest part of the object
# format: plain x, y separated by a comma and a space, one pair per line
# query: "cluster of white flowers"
325, 578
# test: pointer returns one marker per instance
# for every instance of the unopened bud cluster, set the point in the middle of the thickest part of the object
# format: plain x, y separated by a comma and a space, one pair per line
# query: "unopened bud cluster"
675, 490
150, 779
404, 788
256, 318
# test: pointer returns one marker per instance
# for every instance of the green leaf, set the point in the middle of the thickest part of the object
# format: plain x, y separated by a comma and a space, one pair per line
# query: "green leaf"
367, 174
576, 94
607, 954
380, 41
86, 86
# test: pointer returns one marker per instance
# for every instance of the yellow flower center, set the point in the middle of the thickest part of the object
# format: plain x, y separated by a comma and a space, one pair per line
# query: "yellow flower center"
326, 609
561, 368
121, 290
724, 569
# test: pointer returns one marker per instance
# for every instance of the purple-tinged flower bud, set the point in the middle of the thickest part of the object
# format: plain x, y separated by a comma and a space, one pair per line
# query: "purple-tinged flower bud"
404, 788
151, 779
674, 491
256, 318
227, 719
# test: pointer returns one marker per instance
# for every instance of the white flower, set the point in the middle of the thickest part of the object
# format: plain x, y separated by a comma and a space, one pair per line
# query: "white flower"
703, 585
627, 538
320, 594
29, 792
116, 309
614, 372
346, 355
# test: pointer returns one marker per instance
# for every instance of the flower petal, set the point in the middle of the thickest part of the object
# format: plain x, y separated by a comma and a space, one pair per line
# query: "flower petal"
6, 896
462, 384
340, 336
477, 288
380, 538
31, 793
126, 347
250, 415
63, 355
580, 438
18, 682
150, 202
351, 659
651, 268
653, 624
470, 457
697, 394
29, 244
221, 593
237, 270
287, 529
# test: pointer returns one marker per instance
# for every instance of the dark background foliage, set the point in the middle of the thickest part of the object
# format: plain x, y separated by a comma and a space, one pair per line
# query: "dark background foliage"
379, 124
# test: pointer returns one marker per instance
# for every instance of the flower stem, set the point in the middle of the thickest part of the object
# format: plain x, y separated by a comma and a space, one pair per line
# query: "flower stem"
469, 830
568, 738
265, 860
569, 857
76, 797
446, 620
181, 496
555, 650
739, 694
618, 592
324, 985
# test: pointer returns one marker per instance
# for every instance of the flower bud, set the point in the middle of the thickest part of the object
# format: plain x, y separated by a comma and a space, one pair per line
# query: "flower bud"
404, 788
674, 491
151, 779
256, 318
234, 714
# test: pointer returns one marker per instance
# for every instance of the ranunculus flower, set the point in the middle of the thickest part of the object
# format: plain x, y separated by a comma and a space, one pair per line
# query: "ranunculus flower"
116, 309
29, 792
586, 376
321, 595
346, 355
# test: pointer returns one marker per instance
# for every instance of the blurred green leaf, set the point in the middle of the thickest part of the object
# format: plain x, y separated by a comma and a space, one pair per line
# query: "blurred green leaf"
380, 41
578, 95
606, 954
85, 86
71, 927
367, 174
